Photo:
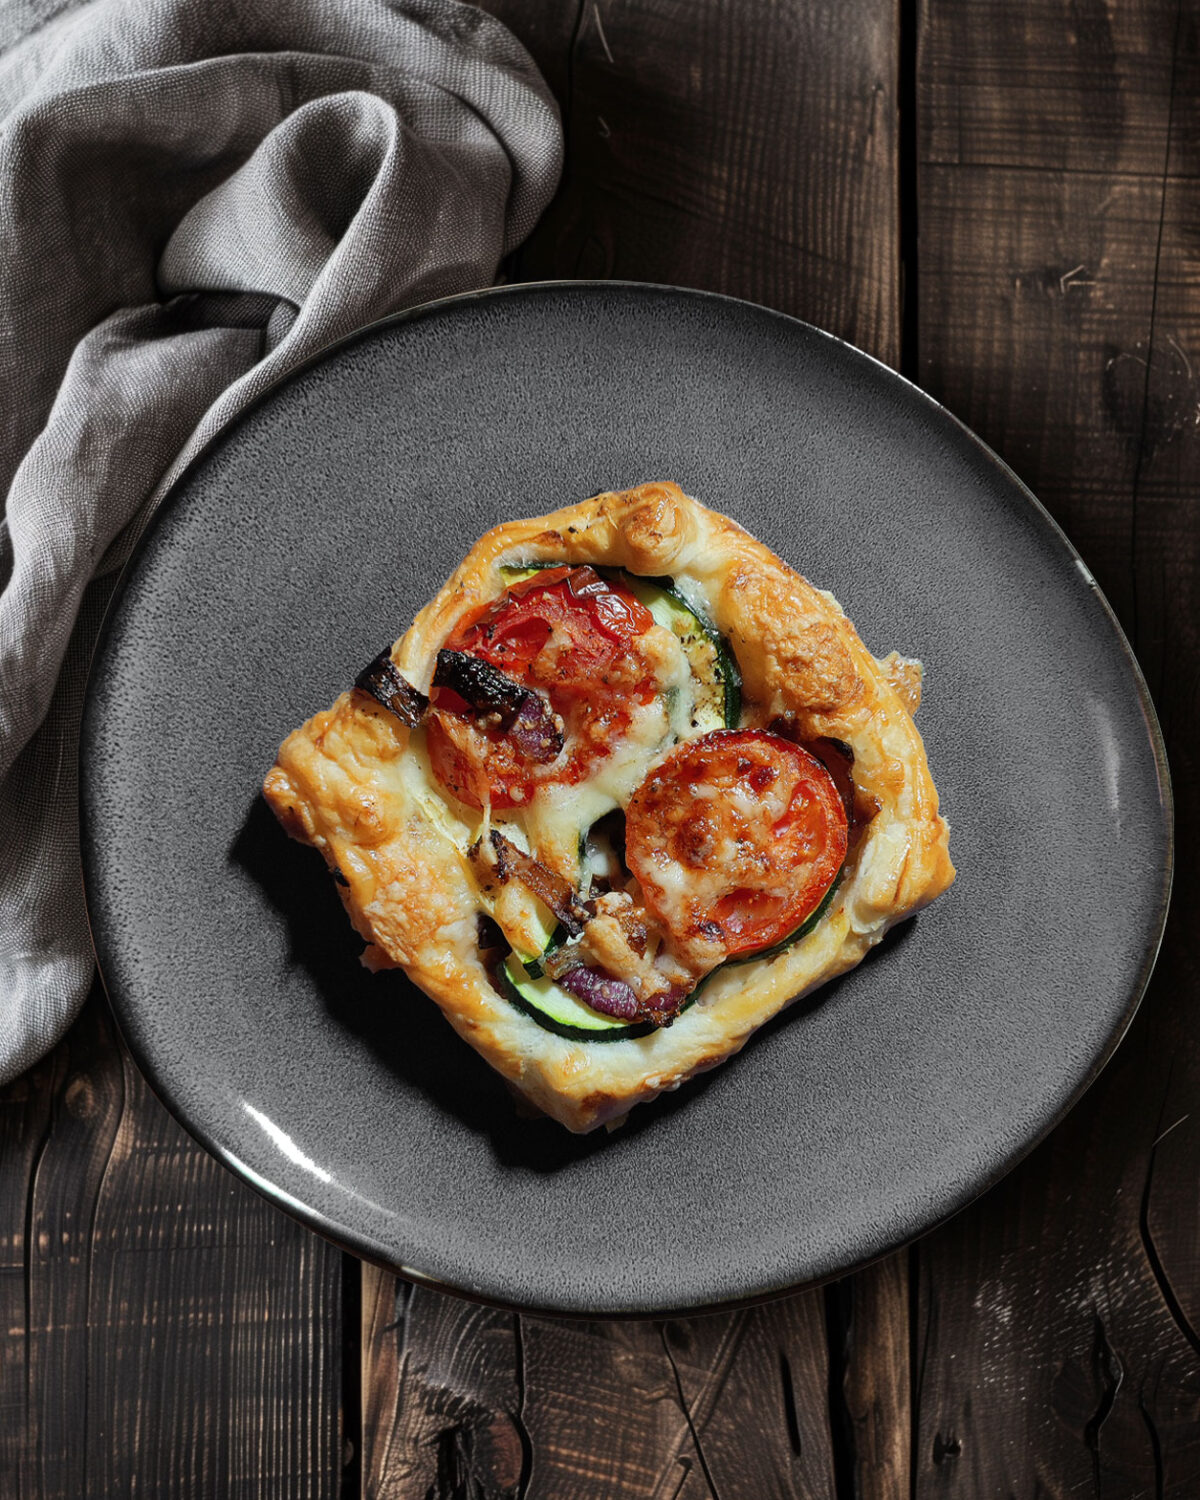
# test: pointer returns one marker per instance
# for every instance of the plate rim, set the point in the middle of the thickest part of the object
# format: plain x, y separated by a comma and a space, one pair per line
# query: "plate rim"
343, 1236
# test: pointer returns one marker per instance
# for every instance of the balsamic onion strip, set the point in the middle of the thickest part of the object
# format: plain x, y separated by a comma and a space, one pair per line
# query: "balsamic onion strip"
523, 715
396, 693
613, 997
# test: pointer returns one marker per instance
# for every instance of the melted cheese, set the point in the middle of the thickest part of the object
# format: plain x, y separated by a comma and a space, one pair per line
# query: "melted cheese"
558, 815
552, 824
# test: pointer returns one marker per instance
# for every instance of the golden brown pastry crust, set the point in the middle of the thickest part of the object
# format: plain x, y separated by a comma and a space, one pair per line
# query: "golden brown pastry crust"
350, 781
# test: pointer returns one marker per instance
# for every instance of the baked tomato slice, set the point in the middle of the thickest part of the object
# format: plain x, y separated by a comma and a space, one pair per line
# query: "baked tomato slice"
735, 838
564, 632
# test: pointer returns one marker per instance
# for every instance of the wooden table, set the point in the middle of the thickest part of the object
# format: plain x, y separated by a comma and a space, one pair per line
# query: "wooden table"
1002, 199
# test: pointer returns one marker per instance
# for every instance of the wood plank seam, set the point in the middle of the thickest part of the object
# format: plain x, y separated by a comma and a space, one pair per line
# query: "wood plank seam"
519, 1413
1143, 446
1153, 1259
685, 1407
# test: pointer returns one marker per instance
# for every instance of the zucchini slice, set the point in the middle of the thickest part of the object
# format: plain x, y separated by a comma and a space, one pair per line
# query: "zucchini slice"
533, 964
514, 572
557, 1011
717, 681
537, 929
551, 935
560, 1012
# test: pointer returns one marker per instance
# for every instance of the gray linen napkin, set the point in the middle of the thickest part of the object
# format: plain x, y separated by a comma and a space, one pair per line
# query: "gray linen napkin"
196, 195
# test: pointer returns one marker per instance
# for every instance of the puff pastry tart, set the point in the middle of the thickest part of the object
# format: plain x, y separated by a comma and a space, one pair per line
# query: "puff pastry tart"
627, 787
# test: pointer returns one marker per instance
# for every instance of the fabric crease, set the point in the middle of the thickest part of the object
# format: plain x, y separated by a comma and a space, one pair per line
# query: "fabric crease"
197, 197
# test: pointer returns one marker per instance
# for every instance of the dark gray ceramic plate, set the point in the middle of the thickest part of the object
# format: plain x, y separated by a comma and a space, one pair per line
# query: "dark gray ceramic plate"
310, 535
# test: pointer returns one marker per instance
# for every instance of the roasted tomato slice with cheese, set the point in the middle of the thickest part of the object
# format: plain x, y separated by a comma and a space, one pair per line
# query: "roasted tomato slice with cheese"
735, 838
564, 632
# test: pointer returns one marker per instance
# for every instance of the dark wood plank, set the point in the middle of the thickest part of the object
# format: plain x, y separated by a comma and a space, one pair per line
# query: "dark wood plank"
442, 1400
1060, 316
25, 1118
167, 1332
871, 1408
752, 150
1049, 85
747, 149
465, 1400
756, 1395
605, 1413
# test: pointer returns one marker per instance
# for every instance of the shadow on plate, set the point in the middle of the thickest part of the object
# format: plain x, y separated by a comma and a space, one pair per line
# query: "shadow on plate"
408, 1033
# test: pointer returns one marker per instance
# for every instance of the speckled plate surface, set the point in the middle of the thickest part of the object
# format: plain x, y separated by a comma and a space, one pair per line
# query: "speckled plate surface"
311, 534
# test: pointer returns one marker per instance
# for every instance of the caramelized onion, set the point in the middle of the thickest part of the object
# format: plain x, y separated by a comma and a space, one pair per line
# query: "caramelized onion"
385, 684
611, 997
523, 715
508, 862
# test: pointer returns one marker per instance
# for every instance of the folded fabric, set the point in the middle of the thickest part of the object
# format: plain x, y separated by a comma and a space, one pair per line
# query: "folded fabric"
196, 196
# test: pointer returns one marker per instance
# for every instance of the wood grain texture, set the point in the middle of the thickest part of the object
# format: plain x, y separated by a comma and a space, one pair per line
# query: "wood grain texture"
868, 1319
442, 1402
468, 1403
1047, 85
25, 1113
752, 152
755, 1388
1059, 208
743, 149
166, 1332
